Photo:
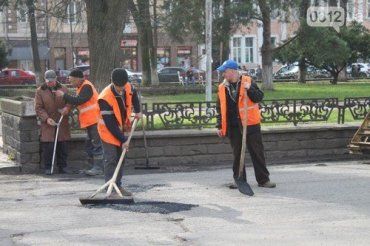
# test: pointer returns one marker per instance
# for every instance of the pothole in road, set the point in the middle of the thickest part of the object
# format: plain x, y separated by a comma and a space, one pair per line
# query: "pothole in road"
151, 207
141, 188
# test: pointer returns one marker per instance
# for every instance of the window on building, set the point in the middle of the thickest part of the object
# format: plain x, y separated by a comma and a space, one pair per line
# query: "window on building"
129, 58
248, 50
368, 8
83, 56
72, 12
22, 14
237, 49
60, 58
183, 58
273, 41
163, 57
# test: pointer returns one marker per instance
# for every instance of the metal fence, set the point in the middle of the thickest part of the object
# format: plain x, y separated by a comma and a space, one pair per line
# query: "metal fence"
197, 115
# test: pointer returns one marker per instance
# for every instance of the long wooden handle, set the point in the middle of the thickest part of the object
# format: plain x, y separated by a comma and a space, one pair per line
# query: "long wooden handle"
124, 151
242, 153
244, 138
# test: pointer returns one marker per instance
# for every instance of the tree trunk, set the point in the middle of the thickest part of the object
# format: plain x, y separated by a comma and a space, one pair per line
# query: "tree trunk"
145, 56
142, 19
302, 71
343, 76
104, 31
266, 50
34, 43
302, 62
226, 27
154, 73
334, 81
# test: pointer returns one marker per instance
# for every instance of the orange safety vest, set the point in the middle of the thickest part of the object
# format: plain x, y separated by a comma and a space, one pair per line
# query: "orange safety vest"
88, 111
108, 96
250, 117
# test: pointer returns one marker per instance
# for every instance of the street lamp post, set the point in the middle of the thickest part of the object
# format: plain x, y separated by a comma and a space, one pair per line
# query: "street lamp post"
208, 50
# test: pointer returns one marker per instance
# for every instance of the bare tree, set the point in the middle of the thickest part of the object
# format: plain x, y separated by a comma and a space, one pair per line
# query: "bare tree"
35, 48
266, 49
142, 18
104, 29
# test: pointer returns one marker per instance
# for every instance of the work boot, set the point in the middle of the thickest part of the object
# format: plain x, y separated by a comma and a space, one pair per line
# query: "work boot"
268, 184
124, 192
94, 171
97, 168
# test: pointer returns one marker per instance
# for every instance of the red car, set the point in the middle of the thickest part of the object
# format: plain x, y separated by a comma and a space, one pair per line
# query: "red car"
16, 77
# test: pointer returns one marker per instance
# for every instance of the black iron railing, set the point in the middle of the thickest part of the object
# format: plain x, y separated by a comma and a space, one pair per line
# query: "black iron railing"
199, 115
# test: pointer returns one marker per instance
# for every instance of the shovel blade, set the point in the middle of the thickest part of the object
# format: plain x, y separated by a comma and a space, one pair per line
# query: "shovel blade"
244, 187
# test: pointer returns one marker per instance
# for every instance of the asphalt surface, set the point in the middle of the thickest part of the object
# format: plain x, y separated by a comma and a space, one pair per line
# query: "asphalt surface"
313, 204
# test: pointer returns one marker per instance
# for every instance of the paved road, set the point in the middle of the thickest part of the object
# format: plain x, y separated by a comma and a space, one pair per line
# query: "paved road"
313, 204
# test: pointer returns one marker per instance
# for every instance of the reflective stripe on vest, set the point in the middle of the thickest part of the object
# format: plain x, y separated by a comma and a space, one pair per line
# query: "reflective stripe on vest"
88, 111
249, 114
108, 96
91, 107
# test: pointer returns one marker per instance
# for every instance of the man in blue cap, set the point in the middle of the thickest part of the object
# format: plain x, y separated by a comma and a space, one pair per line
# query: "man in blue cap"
237, 106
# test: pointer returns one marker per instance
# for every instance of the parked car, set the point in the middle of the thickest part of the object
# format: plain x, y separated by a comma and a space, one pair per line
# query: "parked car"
16, 77
171, 74
287, 72
134, 76
279, 74
292, 72
62, 76
314, 72
83, 68
364, 71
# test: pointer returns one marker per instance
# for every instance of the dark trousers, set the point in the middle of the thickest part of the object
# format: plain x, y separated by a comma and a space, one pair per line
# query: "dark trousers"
255, 149
112, 154
60, 155
94, 147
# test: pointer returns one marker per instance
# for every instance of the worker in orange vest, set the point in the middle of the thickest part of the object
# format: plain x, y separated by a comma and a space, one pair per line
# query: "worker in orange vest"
116, 103
86, 101
231, 107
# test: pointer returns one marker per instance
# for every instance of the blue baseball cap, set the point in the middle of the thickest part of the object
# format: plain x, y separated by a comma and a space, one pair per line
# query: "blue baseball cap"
228, 64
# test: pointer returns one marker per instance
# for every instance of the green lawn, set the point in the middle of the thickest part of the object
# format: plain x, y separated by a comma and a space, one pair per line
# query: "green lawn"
285, 91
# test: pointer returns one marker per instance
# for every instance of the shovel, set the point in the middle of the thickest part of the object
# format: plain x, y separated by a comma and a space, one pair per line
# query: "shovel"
242, 184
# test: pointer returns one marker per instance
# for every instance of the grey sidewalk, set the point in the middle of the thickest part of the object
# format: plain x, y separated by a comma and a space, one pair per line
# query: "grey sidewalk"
312, 205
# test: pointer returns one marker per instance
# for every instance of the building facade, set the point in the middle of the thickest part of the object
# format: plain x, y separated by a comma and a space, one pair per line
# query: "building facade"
63, 42
15, 32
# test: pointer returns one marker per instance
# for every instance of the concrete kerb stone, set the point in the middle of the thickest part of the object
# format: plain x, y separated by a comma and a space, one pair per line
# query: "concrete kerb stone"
19, 106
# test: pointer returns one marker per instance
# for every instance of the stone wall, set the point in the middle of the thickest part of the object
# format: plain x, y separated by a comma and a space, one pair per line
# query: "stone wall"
202, 148
20, 132
179, 149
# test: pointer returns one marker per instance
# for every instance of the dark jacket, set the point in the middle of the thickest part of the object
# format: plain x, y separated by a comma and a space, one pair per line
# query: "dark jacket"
255, 95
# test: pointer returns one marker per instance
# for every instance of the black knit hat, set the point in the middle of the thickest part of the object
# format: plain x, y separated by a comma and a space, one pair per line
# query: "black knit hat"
119, 76
76, 73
